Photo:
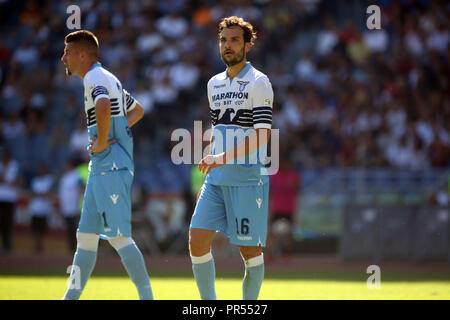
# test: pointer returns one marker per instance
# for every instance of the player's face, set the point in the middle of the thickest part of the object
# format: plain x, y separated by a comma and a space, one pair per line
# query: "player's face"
232, 46
70, 58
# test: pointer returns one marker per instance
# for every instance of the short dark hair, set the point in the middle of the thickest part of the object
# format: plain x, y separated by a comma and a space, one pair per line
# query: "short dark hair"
249, 32
86, 39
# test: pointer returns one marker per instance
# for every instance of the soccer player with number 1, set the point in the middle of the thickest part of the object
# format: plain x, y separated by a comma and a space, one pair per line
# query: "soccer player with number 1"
234, 197
106, 212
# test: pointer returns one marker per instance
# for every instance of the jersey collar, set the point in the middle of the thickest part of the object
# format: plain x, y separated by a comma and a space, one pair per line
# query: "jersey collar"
95, 65
241, 73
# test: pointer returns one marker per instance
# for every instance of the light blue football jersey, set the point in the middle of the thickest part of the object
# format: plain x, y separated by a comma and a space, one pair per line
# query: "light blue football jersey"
237, 107
100, 83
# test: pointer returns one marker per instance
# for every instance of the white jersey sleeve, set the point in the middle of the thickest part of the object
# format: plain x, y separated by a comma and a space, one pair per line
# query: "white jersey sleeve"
262, 96
208, 86
130, 101
98, 86
211, 111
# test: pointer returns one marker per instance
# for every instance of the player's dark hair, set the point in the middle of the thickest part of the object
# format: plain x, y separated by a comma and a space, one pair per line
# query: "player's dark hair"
85, 38
249, 32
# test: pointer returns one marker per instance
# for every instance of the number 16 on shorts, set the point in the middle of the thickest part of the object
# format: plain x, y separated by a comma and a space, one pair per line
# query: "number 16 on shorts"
242, 228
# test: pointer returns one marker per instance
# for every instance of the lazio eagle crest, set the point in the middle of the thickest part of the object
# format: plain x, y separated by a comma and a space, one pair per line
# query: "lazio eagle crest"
242, 85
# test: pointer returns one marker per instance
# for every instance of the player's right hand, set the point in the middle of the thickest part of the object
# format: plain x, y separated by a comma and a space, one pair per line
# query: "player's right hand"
211, 161
95, 146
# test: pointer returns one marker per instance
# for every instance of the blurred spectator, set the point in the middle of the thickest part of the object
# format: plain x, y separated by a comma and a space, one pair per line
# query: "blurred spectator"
41, 205
441, 154
150, 39
30, 14
413, 39
184, 75
166, 213
306, 68
70, 191
376, 40
145, 98
37, 143
202, 17
439, 38
9, 171
13, 128
26, 55
79, 139
443, 199
284, 192
172, 25
58, 145
327, 38
165, 95
5, 51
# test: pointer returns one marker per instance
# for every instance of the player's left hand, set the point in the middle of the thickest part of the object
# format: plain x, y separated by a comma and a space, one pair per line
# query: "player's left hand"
95, 146
211, 161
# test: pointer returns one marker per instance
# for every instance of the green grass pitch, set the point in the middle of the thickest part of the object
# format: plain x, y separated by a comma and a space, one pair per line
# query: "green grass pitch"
309, 286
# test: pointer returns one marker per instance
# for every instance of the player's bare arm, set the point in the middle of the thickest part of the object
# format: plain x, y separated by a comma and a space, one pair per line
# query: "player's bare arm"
260, 135
103, 116
135, 115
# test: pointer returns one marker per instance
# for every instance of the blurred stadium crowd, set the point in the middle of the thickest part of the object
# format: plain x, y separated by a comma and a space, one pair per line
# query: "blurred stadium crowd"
345, 95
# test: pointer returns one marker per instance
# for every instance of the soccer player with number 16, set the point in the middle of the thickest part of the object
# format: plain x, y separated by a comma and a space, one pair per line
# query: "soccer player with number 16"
234, 197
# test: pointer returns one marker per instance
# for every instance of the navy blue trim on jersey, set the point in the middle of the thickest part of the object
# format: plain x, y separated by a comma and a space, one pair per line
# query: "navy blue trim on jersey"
262, 115
115, 108
99, 90
129, 100
241, 117
91, 119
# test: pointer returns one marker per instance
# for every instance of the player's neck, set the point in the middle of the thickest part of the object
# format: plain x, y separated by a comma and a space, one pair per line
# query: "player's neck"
233, 71
85, 69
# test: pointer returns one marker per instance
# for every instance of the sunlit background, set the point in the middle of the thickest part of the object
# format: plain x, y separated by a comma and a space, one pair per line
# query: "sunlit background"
363, 117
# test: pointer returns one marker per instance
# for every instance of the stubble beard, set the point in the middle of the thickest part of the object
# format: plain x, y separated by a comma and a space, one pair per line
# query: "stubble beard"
234, 61
68, 71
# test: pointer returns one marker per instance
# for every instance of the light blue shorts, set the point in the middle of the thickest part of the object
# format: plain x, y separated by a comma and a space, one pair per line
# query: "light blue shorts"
107, 204
240, 212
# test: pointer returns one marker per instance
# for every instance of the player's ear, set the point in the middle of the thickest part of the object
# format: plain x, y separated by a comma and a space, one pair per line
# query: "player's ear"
82, 54
248, 46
